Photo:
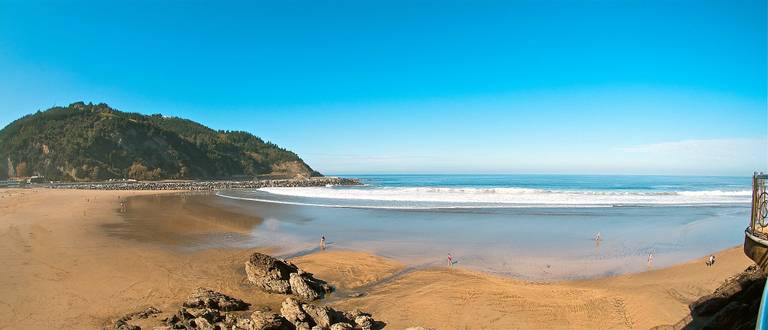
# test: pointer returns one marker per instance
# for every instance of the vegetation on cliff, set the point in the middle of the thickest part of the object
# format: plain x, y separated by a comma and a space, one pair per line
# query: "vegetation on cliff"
95, 142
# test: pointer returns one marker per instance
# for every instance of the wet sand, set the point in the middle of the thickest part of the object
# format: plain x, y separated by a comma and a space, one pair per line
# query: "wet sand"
182, 220
532, 243
461, 299
70, 262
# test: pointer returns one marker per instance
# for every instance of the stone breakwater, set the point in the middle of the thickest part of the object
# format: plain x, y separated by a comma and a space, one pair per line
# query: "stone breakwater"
207, 185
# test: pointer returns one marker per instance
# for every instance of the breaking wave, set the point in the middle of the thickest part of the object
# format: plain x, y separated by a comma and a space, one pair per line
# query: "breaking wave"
470, 197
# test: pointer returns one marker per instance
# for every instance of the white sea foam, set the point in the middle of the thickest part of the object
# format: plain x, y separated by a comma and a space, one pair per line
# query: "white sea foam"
509, 197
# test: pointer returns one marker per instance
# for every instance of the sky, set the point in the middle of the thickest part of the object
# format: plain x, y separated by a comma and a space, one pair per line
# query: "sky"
353, 87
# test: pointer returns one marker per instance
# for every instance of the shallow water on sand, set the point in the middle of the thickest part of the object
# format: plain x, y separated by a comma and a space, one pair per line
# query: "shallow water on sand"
185, 221
537, 243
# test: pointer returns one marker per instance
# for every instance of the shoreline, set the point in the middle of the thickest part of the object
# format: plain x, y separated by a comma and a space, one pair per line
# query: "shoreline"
63, 271
540, 244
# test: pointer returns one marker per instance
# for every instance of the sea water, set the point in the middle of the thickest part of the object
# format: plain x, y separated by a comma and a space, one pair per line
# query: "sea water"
539, 227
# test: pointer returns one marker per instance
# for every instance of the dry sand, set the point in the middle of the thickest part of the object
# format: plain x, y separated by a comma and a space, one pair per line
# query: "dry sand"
458, 299
61, 270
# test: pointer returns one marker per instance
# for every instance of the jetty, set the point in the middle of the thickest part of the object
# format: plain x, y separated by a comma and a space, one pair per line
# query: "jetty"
205, 185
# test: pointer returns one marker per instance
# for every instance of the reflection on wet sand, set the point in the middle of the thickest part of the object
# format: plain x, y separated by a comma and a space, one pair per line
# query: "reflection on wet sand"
188, 220
541, 244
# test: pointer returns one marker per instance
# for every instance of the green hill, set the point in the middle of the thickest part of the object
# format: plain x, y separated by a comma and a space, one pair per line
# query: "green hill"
95, 142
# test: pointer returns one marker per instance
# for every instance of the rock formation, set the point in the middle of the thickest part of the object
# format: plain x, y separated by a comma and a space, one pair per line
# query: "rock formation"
279, 276
210, 310
310, 316
733, 305
204, 298
268, 321
300, 287
206, 309
269, 274
122, 323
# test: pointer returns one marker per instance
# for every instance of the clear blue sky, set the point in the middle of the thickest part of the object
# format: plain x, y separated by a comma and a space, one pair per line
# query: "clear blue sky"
612, 86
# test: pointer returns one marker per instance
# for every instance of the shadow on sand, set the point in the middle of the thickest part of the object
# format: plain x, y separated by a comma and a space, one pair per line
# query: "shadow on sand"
734, 305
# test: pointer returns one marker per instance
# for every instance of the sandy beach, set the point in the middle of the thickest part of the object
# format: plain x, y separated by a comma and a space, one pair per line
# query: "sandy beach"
63, 269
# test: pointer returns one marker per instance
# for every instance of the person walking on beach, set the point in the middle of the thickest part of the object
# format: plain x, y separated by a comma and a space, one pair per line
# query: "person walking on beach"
650, 260
322, 243
710, 260
450, 260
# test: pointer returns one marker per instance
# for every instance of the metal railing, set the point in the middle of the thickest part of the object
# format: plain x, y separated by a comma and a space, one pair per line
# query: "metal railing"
758, 223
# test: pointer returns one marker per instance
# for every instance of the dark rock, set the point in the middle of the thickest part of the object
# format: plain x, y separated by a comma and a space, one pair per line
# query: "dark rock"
710, 304
319, 286
171, 319
122, 323
293, 312
147, 313
279, 276
342, 326
205, 310
204, 298
210, 315
310, 316
195, 318
268, 273
230, 320
731, 314
244, 324
180, 320
320, 315
269, 321
364, 322
302, 289
352, 315
733, 305
203, 324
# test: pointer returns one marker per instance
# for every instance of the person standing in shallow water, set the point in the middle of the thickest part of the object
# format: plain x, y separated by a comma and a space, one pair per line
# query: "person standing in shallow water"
597, 240
450, 260
322, 243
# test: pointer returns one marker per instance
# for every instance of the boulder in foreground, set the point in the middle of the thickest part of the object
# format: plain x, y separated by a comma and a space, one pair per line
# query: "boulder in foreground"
310, 316
279, 276
122, 323
205, 298
204, 310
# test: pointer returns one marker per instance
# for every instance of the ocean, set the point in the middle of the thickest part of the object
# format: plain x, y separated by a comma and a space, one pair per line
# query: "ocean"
536, 227
503, 191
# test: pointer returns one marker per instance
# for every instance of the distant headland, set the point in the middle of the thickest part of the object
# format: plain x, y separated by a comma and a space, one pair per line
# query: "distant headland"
94, 142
